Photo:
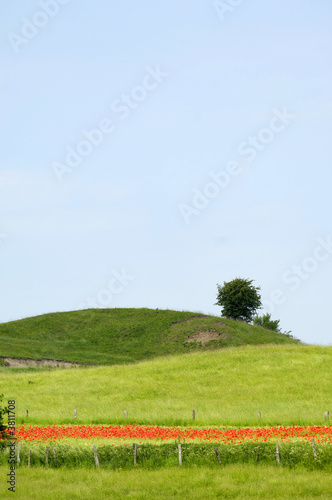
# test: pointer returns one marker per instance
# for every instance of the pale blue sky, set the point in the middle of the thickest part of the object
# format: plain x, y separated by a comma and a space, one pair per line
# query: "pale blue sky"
181, 92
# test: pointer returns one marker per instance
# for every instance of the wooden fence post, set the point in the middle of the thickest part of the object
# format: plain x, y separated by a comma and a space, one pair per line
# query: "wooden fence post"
26, 413
217, 453
193, 414
259, 415
126, 414
277, 453
29, 458
47, 453
135, 453
18, 453
54, 456
314, 448
327, 414
96, 455
257, 456
75, 413
180, 455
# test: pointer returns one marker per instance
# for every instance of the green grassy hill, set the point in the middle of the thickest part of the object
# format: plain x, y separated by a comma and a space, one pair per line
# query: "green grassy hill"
288, 384
118, 336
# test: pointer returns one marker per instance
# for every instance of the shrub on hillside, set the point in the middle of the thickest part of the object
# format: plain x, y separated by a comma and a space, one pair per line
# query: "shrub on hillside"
266, 322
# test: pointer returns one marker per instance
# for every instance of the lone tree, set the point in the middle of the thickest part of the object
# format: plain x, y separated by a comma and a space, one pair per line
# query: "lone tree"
239, 299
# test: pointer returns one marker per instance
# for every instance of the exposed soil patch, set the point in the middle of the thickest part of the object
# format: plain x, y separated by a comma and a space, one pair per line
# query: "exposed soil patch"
27, 362
206, 336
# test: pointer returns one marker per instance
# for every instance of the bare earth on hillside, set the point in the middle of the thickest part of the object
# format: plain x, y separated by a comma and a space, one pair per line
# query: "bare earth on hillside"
206, 336
27, 362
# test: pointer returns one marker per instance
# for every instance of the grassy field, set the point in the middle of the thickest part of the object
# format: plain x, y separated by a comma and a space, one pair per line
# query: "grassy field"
288, 384
117, 336
234, 481
158, 366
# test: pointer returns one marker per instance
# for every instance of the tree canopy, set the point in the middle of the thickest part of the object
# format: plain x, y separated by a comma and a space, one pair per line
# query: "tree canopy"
239, 299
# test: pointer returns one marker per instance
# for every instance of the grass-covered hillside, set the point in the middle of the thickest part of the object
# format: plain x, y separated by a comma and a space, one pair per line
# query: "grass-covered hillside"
117, 336
288, 384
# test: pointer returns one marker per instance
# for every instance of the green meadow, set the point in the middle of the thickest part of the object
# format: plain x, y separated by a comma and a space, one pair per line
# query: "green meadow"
158, 366
288, 384
233, 481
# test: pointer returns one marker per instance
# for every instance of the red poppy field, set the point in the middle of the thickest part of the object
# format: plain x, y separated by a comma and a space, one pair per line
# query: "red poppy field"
55, 433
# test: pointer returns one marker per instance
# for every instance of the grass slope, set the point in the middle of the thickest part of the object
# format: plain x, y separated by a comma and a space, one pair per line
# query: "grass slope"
117, 336
288, 384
